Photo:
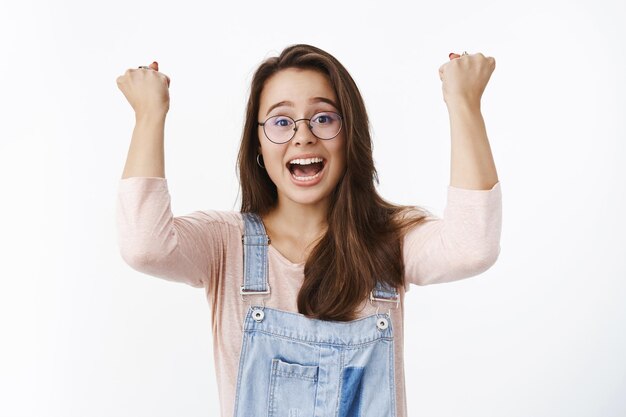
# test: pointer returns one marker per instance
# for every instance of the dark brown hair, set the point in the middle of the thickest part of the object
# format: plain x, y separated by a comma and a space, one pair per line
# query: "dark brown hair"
363, 241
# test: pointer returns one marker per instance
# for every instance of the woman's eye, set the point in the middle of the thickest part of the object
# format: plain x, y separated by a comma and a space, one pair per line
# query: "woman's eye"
323, 119
282, 121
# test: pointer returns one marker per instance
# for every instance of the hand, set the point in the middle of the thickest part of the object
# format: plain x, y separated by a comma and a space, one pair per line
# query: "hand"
147, 90
465, 77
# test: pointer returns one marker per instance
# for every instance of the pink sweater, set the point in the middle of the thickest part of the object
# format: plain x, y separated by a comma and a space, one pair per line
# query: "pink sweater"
204, 249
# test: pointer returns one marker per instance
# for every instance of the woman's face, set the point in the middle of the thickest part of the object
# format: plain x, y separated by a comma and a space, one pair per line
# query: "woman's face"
297, 93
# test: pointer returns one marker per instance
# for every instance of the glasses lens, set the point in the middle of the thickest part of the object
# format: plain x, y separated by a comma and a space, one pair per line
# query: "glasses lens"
279, 129
326, 125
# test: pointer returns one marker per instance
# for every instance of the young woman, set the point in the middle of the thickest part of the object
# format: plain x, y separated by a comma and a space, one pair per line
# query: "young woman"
306, 283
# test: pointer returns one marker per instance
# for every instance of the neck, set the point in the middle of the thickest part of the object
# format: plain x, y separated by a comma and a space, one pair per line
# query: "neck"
308, 221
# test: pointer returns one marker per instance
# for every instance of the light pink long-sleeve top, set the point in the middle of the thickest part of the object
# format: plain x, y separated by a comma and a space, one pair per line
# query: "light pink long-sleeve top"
204, 249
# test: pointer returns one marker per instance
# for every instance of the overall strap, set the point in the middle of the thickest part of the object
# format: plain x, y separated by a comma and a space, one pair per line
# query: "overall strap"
384, 292
255, 264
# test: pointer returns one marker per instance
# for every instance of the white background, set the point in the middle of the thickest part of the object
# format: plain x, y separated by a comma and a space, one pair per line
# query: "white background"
541, 333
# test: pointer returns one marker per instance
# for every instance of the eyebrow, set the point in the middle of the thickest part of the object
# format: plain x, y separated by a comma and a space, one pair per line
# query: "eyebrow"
312, 100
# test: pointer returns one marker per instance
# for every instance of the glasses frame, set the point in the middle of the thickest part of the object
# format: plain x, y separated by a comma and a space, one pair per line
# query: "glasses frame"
295, 126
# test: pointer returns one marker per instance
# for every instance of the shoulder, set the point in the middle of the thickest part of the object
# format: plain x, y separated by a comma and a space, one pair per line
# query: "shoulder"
227, 218
223, 220
411, 218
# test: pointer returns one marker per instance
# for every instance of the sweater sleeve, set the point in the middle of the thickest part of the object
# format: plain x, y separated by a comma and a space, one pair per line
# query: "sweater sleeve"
151, 240
462, 244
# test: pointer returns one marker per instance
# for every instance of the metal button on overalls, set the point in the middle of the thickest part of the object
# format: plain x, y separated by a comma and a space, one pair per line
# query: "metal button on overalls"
257, 314
294, 366
382, 323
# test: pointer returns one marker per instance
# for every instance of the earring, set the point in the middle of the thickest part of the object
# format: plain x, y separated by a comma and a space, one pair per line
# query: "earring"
258, 162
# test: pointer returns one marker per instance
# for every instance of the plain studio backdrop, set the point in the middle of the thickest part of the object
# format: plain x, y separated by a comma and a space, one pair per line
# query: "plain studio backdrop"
541, 333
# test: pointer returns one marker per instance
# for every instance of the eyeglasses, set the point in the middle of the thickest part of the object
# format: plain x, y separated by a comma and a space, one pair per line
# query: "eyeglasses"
281, 129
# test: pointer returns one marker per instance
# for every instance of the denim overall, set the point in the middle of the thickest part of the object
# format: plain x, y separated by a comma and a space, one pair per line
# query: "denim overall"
294, 366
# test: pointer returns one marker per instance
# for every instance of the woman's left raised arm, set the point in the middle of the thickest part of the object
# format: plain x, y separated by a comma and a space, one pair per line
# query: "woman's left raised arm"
464, 79
466, 241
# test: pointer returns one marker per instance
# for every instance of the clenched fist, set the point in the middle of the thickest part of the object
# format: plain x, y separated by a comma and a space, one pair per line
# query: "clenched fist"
147, 90
465, 77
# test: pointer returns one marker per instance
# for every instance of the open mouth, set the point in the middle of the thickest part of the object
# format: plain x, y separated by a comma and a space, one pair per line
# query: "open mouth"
306, 169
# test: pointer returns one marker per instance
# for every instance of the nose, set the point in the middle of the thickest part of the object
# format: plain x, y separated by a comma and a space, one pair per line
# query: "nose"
303, 133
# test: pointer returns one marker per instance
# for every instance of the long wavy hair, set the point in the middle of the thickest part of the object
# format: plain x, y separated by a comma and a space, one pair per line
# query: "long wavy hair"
363, 241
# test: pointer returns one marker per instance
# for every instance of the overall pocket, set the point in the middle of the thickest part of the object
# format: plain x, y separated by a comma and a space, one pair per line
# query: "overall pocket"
293, 388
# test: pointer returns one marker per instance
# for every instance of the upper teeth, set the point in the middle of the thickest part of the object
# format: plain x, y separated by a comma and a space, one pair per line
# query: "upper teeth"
306, 161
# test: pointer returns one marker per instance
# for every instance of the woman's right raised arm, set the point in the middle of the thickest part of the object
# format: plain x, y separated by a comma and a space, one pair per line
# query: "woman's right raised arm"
151, 239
